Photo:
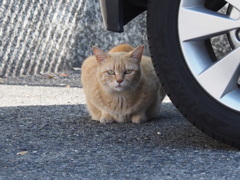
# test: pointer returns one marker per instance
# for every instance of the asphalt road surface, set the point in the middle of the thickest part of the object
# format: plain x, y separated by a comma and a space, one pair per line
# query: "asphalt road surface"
46, 133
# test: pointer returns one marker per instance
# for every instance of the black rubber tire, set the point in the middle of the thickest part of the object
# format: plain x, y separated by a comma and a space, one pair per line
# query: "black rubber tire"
207, 114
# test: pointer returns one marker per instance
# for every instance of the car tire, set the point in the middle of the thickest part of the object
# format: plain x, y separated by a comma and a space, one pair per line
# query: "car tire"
178, 63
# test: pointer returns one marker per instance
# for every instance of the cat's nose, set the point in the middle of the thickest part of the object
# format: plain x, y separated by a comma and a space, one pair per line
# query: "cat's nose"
119, 81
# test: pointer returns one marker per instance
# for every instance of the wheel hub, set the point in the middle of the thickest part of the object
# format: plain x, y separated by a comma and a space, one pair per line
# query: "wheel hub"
196, 25
234, 35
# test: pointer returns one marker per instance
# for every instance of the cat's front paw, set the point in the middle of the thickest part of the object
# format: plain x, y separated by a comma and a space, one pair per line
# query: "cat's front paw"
106, 119
139, 118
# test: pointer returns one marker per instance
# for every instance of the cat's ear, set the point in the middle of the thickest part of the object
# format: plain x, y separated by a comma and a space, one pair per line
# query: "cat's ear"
137, 53
99, 54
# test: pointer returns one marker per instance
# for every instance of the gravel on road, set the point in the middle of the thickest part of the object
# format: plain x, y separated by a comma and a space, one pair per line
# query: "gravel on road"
60, 141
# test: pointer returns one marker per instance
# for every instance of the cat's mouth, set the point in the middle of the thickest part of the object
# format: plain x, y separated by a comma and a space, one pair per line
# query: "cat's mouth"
119, 87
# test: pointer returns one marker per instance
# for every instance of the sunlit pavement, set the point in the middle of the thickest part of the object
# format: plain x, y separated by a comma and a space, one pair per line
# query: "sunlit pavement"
15, 95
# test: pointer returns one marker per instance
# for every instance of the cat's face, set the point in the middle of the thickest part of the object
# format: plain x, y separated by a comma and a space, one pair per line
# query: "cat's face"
119, 71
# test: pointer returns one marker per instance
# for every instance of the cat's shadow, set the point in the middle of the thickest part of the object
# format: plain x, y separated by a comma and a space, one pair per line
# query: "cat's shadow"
66, 136
39, 124
171, 130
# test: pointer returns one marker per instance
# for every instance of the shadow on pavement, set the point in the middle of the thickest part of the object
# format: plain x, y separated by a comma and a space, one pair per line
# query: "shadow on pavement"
62, 140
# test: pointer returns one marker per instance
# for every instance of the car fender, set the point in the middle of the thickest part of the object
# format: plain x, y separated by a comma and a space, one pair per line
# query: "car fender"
117, 13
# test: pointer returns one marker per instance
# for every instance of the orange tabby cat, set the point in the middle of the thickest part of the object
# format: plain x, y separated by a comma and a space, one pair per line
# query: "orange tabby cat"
121, 48
121, 85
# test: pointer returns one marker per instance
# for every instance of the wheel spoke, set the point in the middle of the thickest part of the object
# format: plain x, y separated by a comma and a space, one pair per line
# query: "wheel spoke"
221, 77
235, 3
200, 23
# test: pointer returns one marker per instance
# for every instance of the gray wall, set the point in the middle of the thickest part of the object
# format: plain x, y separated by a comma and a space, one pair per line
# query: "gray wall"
42, 36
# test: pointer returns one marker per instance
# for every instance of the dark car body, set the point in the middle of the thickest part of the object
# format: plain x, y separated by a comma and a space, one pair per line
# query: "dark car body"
117, 13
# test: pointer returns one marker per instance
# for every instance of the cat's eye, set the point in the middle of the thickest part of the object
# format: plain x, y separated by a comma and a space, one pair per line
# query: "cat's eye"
128, 72
111, 72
